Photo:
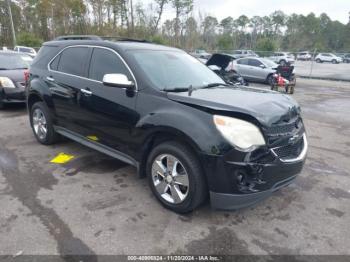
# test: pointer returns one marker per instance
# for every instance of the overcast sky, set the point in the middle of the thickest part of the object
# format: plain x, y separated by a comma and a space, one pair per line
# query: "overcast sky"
336, 9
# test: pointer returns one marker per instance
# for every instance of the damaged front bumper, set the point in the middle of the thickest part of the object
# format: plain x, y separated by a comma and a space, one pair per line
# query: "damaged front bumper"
239, 180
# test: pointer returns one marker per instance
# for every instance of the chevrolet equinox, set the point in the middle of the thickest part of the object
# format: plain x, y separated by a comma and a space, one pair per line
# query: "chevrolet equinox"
161, 110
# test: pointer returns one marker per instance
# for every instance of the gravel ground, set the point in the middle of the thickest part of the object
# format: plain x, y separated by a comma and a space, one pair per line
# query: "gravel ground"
96, 205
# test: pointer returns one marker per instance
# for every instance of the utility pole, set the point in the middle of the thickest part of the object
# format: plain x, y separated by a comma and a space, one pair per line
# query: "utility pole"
12, 26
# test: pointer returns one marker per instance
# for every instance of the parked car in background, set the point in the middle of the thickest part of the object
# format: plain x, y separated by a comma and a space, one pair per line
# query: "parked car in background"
221, 63
328, 57
304, 56
282, 58
255, 69
24, 49
243, 53
201, 53
164, 112
346, 58
13, 68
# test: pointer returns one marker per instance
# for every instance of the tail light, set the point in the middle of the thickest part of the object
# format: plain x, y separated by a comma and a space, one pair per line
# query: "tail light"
26, 76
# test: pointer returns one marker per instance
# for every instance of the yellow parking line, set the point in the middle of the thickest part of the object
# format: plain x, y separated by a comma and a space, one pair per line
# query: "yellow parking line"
62, 158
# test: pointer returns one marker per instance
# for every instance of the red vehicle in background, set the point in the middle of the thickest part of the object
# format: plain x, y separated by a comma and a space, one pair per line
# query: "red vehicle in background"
284, 78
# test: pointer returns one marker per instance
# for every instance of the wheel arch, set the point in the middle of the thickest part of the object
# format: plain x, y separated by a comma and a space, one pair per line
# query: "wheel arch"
32, 98
162, 135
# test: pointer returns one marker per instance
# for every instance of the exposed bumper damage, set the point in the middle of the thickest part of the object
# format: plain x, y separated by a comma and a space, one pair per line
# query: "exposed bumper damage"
240, 179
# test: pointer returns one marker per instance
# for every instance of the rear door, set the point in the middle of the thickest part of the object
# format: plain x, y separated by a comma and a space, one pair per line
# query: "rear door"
257, 72
109, 111
243, 67
66, 79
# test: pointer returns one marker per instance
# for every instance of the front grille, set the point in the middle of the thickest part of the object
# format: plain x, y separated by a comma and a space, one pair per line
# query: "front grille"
285, 128
290, 151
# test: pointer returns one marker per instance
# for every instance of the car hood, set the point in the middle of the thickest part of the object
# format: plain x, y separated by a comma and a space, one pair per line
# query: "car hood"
16, 75
265, 106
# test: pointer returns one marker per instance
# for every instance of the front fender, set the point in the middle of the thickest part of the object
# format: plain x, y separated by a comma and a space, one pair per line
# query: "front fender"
185, 122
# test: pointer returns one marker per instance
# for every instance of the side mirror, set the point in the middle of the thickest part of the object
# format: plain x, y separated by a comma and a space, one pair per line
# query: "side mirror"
262, 66
118, 80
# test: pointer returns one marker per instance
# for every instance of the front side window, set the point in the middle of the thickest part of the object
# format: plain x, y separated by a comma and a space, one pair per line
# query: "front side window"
174, 69
242, 61
254, 62
103, 62
73, 61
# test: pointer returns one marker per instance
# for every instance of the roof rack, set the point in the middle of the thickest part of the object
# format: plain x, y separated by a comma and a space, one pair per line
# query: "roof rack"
126, 39
78, 37
98, 38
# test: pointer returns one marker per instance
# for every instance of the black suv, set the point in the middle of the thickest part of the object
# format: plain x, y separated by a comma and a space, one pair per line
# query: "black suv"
170, 116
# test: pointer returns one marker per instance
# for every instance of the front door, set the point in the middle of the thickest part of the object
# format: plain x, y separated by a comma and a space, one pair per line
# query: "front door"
110, 111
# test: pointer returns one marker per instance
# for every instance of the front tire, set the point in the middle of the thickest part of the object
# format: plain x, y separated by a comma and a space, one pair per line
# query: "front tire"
318, 60
42, 124
175, 177
334, 61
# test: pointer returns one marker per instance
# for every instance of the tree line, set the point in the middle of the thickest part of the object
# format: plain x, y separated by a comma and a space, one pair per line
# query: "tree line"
36, 21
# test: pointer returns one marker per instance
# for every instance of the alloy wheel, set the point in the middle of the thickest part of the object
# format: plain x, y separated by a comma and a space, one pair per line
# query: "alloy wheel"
39, 124
170, 178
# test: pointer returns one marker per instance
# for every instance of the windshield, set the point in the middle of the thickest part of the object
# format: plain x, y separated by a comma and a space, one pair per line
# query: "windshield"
14, 61
269, 63
26, 50
173, 69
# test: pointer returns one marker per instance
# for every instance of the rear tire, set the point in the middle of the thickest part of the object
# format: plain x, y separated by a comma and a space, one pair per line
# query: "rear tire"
167, 165
42, 124
283, 62
291, 90
270, 80
318, 60
2, 104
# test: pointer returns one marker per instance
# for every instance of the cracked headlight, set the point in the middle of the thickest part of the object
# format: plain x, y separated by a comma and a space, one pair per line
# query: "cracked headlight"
6, 82
239, 133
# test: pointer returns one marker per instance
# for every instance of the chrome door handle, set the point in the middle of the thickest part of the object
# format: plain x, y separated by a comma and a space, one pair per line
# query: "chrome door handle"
49, 78
86, 92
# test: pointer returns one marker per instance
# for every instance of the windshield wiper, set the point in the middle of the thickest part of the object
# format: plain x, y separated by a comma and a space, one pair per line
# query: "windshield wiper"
3, 68
212, 85
176, 89
192, 88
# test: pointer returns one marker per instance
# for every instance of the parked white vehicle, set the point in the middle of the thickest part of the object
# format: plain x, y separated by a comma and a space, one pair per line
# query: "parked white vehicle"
244, 53
201, 53
304, 56
282, 58
328, 57
24, 49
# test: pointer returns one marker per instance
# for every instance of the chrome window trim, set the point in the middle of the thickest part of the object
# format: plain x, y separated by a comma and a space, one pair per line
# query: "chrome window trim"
93, 80
297, 159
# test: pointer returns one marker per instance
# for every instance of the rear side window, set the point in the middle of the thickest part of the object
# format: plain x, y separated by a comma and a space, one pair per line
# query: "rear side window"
103, 62
54, 63
73, 61
45, 54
